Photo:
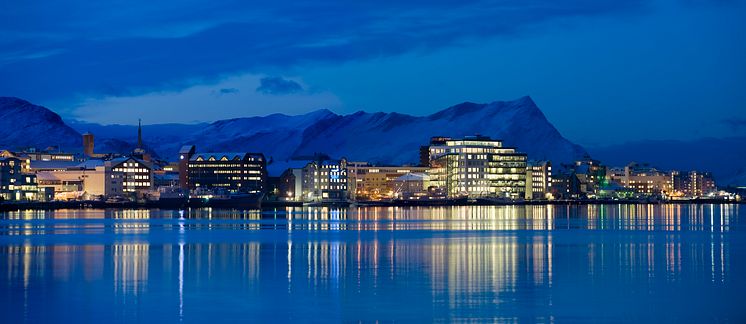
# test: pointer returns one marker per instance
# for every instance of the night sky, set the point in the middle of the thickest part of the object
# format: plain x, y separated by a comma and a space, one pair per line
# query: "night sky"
603, 72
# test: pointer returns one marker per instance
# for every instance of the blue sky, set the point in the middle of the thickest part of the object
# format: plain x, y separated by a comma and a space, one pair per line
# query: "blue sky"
602, 71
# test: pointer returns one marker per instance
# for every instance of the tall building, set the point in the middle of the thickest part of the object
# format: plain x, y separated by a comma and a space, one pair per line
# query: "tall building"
478, 166
231, 172
185, 154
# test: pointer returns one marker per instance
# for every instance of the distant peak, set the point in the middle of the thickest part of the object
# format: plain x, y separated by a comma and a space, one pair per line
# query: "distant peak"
526, 100
322, 111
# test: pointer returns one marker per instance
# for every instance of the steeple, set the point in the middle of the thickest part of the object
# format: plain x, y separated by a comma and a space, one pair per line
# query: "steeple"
139, 133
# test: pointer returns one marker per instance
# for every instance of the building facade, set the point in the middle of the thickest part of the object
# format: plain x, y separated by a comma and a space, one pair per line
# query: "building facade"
478, 166
538, 179
693, 183
135, 175
319, 180
229, 172
82, 183
15, 185
643, 179
325, 180
412, 186
368, 182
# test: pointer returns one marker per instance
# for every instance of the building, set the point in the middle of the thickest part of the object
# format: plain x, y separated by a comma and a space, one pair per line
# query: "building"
411, 185
321, 179
229, 172
643, 179
87, 181
565, 185
185, 154
325, 180
693, 183
15, 185
135, 174
478, 166
538, 179
88, 144
425, 149
368, 182
591, 175
291, 185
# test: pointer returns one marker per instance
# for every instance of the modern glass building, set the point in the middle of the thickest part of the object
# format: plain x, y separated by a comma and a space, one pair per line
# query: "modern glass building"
478, 166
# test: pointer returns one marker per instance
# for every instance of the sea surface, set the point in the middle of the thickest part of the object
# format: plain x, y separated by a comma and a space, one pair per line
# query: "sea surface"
598, 263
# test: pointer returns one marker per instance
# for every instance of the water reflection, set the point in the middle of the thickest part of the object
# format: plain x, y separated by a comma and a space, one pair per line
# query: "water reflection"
665, 217
532, 263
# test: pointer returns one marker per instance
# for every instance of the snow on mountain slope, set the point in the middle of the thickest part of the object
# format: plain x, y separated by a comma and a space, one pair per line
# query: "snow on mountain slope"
395, 138
23, 124
388, 138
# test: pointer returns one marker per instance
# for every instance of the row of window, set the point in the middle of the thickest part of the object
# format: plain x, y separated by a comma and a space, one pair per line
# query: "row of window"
131, 170
223, 165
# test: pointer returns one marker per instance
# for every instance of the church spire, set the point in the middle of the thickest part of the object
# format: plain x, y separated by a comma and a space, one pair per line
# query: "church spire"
139, 133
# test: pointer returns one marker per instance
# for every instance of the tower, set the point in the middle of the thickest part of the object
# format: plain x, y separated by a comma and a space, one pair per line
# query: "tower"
88, 144
185, 153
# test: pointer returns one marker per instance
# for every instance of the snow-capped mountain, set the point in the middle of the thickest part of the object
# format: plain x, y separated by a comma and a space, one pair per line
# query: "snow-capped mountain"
23, 124
384, 138
388, 138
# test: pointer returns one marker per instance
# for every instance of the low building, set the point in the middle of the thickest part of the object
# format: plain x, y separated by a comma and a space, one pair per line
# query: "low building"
368, 182
136, 175
412, 185
82, 182
565, 185
591, 175
291, 185
644, 179
319, 180
693, 183
229, 172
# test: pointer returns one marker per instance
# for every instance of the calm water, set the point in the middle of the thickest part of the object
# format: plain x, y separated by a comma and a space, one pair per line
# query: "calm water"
672, 263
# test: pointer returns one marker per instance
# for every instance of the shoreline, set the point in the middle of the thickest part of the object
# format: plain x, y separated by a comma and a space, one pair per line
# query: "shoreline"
279, 204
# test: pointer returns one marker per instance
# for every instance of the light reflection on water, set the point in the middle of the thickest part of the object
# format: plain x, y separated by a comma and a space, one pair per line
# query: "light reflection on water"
503, 263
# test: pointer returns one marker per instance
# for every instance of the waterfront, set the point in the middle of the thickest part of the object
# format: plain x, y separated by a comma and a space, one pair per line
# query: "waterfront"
549, 263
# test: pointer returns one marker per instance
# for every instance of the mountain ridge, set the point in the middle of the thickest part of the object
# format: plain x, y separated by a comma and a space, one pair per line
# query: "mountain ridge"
379, 137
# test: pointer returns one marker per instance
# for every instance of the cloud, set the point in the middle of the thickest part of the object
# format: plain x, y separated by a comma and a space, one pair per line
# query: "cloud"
278, 86
135, 47
736, 124
201, 103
